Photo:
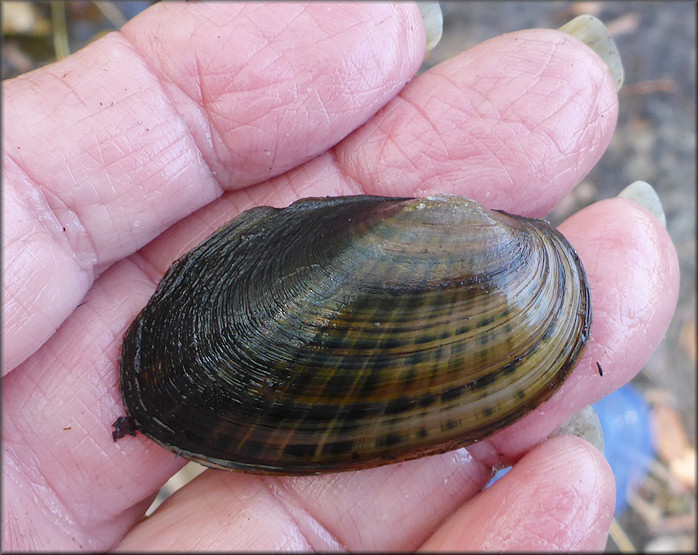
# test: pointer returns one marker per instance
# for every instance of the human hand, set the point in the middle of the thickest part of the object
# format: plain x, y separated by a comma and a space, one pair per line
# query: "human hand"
195, 112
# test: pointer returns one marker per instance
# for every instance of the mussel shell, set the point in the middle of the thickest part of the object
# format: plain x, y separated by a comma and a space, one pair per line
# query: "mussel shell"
350, 332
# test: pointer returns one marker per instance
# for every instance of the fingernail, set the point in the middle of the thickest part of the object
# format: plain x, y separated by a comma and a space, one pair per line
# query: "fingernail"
433, 22
584, 423
644, 194
592, 32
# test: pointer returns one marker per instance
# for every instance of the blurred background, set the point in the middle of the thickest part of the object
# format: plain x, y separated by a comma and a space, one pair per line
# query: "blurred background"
650, 425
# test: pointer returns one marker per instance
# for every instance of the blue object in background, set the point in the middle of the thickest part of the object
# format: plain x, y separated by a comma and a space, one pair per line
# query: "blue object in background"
628, 439
497, 475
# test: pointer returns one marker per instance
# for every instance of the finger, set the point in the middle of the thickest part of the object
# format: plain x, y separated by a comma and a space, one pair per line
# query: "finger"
514, 123
148, 125
255, 513
278, 93
560, 496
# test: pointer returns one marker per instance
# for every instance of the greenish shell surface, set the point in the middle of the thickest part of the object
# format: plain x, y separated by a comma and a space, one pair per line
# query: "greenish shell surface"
344, 333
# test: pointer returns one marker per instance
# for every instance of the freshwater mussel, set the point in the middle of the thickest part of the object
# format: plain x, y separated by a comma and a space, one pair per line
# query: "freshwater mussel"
344, 333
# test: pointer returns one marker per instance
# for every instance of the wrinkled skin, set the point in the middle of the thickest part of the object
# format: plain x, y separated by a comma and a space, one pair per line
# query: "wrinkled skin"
125, 155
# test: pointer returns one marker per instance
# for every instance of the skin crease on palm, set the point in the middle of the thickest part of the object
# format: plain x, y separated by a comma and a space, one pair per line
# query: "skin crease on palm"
123, 156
